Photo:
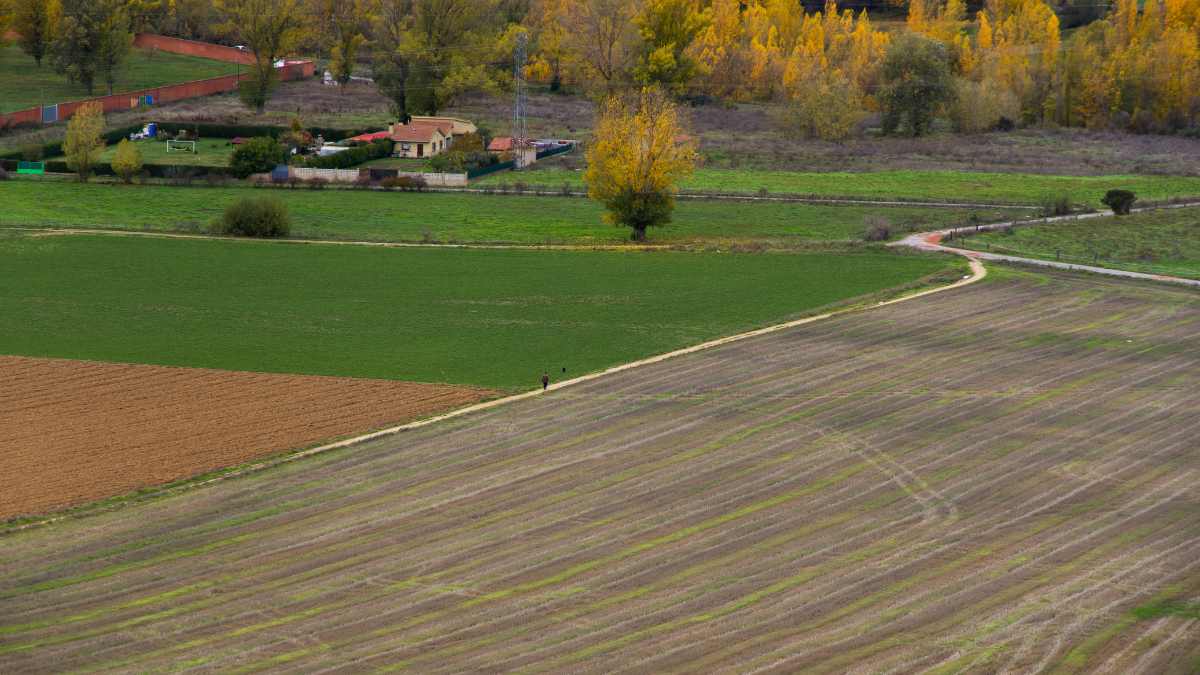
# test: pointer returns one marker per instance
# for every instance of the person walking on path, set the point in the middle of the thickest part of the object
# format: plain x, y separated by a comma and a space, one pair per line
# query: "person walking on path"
545, 381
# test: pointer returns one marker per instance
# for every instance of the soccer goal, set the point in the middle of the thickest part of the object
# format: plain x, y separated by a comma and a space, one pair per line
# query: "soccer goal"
182, 146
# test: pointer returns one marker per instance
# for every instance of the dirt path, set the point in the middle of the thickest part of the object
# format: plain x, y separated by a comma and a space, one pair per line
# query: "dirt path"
932, 241
837, 495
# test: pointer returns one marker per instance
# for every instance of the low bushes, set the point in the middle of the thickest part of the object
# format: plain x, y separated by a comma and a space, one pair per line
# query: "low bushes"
264, 217
878, 229
403, 183
1056, 205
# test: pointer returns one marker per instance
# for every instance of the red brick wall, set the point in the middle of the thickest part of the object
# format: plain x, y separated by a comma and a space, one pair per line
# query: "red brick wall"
293, 70
192, 48
27, 116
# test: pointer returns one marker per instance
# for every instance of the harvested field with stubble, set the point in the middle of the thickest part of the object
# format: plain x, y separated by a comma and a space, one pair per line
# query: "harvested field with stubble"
1000, 478
76, 431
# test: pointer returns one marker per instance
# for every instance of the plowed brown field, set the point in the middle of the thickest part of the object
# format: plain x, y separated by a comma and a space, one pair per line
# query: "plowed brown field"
75, 431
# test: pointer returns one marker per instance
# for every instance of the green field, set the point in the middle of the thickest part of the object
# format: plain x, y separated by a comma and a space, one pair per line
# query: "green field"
487, 317
449, 217
1158, 242
24, 85
209, 152
956, 186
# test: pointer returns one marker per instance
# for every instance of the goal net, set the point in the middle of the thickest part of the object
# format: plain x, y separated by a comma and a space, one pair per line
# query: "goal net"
182, 146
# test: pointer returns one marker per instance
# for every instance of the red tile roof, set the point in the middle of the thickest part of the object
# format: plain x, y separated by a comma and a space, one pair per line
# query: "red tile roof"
500, 144
367, 138
418, 132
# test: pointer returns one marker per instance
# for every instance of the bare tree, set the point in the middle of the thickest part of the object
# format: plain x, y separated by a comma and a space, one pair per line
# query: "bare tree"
606, 38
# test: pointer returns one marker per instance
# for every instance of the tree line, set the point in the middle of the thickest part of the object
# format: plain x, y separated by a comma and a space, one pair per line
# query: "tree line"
986, 65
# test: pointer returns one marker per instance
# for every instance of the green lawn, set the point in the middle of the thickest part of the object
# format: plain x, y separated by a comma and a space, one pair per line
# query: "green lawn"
959, 186
488, 317
1158, 242
447, 217
24, 85
209, 152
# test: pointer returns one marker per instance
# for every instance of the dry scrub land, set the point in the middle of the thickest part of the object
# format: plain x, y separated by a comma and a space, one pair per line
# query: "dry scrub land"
998, 477
76, 431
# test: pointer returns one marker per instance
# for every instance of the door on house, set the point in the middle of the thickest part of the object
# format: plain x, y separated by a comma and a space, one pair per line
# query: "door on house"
420, 149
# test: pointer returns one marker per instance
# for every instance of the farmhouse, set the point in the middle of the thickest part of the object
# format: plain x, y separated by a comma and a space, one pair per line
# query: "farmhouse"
422, 136
420, 139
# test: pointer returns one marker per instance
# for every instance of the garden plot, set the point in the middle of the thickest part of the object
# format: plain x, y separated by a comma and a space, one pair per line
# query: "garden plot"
996, 478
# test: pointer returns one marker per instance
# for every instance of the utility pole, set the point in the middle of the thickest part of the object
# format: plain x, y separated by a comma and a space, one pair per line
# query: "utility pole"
523, 153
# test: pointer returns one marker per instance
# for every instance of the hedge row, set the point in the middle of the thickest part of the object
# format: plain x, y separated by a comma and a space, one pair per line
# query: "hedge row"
352, 157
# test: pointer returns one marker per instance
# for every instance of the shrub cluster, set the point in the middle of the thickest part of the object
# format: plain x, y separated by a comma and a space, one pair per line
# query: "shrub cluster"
1120, 201
403, 183
257, 155
264, 217
1056, 205
878, 229
459, 162
354, 156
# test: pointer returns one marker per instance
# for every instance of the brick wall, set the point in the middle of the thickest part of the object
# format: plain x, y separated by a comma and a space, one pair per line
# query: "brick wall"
192, 48
292, 70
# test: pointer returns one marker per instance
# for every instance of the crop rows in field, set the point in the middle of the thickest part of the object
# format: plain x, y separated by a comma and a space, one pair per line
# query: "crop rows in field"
991, 478
76, 431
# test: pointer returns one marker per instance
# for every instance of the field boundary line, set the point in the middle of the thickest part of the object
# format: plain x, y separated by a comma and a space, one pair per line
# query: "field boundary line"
978, 273
546, 191
932, 241
84, 231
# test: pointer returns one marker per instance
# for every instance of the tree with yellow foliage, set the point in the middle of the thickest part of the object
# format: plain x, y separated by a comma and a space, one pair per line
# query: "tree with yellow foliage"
667, 29
546, 24
721, 51
835, 59
636, 160
84, 144
127, 161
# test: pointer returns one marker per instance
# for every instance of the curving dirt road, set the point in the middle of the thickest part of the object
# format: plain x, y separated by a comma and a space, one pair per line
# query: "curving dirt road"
932, 241
992, 478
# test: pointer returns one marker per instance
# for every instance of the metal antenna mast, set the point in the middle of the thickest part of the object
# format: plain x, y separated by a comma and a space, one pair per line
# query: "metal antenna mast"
519, 132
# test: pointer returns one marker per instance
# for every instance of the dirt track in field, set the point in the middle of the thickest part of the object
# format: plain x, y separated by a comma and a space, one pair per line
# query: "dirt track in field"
76, 431
989, 479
